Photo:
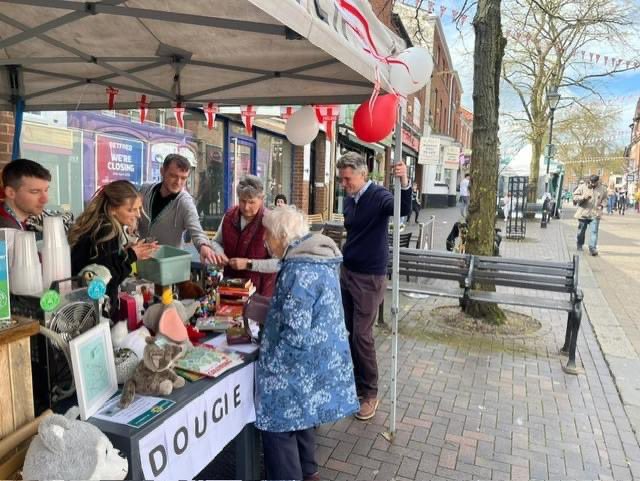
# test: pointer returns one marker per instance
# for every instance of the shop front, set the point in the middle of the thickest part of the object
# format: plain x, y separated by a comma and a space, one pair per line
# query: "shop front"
440, 160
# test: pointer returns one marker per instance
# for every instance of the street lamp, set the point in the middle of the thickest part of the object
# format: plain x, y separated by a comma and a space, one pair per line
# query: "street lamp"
553, 98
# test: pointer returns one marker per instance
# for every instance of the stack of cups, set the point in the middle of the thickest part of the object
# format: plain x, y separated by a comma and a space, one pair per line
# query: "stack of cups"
25, 276
56, 255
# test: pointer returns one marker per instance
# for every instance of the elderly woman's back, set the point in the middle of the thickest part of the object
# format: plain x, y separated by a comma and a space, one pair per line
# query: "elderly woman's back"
304, 374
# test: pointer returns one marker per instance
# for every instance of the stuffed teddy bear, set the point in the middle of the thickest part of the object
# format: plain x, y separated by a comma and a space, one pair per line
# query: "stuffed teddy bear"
66, 448
153, 374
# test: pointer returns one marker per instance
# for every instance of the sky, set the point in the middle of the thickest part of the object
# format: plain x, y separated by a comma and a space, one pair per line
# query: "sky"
621, 90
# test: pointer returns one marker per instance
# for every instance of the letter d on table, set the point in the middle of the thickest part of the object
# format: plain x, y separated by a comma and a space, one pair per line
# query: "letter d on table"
152, 459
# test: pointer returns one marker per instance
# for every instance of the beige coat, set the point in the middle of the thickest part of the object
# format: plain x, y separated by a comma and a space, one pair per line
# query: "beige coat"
591, 201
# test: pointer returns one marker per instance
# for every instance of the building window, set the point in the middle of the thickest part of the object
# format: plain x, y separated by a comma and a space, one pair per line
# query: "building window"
134, 116
275, 161
162, 117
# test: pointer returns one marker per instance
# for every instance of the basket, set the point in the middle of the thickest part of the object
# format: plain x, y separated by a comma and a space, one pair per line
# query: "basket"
167, 266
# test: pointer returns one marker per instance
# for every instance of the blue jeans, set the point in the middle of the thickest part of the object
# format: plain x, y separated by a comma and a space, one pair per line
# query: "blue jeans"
611, 204
593, 235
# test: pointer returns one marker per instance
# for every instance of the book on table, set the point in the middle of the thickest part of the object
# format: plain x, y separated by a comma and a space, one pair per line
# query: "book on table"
236, 283
206, 360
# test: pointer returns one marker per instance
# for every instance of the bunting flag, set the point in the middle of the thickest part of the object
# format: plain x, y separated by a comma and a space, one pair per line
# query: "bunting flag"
143, 105
210, 111
286, 112
442, 10
178, 112
248, 114
594, 57
111, 92
327, 116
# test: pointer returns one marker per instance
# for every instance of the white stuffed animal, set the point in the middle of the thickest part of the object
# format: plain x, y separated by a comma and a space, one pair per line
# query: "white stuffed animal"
66, 448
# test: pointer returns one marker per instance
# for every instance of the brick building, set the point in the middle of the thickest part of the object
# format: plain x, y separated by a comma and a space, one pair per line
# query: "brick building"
447, 131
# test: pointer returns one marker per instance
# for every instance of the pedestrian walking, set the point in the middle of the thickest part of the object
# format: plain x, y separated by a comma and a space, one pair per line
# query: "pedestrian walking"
611, 199
637, 198
622, 202
464, 195
590, 198
415, 201
364, 269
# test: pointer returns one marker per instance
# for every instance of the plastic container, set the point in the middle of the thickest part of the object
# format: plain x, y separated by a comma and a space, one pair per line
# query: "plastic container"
167, 266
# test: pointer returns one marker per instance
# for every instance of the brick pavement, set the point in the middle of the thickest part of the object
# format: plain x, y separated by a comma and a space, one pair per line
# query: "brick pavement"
472, 408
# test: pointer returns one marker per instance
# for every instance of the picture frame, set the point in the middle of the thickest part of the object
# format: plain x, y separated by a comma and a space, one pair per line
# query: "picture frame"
94, 369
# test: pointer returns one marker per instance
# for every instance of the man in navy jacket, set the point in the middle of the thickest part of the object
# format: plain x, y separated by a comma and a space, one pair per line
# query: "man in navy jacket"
364, 270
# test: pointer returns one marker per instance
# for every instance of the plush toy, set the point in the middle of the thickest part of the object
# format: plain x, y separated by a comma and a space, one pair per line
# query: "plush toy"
66, 448
154, 374
92, 271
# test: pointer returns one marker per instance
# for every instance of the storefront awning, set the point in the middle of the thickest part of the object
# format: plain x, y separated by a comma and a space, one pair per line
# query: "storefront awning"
64, 54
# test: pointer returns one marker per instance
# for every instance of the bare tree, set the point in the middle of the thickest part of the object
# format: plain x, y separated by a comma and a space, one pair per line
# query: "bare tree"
550, 42
589, 143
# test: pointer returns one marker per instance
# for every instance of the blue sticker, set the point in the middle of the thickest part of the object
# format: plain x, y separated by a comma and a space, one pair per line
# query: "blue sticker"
97, 289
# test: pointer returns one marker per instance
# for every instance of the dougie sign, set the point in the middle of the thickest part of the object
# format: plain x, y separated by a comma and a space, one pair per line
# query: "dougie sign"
195, 433
118, 158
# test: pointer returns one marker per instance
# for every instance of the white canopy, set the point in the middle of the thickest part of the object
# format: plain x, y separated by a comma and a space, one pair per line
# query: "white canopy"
64, 54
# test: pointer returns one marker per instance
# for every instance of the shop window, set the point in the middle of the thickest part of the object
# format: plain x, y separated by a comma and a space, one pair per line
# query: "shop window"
274, 165
440, 167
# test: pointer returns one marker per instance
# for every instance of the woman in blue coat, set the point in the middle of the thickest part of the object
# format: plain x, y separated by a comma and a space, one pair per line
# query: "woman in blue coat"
304, 374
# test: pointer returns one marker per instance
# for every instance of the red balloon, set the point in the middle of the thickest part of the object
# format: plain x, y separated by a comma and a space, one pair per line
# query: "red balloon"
376, 125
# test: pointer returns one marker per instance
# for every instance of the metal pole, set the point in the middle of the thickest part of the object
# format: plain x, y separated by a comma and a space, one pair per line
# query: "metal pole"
543, 222
395, 303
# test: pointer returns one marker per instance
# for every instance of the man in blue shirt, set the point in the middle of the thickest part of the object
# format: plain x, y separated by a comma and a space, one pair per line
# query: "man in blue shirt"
364, 270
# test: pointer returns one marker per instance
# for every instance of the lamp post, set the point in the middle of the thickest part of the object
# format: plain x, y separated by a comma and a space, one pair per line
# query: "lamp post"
553, 98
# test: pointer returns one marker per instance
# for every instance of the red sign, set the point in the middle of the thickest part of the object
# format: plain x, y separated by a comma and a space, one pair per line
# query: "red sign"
410, 140
118, 158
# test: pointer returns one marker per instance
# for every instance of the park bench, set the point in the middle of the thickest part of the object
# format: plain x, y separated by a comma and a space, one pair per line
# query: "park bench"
466, 273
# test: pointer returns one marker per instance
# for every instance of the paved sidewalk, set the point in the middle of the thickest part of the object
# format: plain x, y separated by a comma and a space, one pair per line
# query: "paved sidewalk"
502, 408
611, 283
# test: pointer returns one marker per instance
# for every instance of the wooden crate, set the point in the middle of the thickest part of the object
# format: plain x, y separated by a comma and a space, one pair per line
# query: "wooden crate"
16, 390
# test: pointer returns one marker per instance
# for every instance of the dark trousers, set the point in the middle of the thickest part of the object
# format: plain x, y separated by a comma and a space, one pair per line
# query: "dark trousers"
289, 455
361, 296
415, 207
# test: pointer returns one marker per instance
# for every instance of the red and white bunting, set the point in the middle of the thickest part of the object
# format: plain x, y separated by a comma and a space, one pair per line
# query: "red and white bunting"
210, 111
178, 112
430, 6
286, 112
248, 114
143, 105
112, 92
442, 10
327, 116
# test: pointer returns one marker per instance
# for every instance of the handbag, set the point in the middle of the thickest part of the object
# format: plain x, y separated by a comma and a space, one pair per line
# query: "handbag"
255, 309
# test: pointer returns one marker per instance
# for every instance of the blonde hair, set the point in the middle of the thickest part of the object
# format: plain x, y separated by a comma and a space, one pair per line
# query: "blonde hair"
286, 223
97, 216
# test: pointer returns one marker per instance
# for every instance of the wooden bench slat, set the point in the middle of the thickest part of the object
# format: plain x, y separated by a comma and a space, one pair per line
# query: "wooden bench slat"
526, 262
456, 293
519, 300
539, 286
551, 271
523, 276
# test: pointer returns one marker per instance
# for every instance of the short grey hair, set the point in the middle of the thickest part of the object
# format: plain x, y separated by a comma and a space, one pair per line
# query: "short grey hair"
354, 161
286, 223
250, 187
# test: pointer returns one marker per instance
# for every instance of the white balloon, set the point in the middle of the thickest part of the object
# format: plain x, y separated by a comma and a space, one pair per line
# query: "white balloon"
412, 77
302, 127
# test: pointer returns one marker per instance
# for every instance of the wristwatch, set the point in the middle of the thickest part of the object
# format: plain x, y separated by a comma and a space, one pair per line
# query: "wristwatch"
249, 265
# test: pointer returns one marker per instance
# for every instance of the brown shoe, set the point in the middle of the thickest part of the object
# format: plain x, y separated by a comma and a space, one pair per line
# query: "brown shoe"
367, 409
312, 477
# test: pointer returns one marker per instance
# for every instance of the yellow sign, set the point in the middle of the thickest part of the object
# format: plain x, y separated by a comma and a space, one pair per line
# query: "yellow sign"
43, 135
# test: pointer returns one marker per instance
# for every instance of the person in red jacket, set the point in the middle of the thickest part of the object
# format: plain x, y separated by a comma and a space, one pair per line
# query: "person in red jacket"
239, 242
25, 185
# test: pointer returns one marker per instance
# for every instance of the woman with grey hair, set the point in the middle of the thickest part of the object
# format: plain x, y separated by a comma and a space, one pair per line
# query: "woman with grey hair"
239, 241
304, 374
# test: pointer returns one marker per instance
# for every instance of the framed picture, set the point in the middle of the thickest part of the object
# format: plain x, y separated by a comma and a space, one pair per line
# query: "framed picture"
94, 369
